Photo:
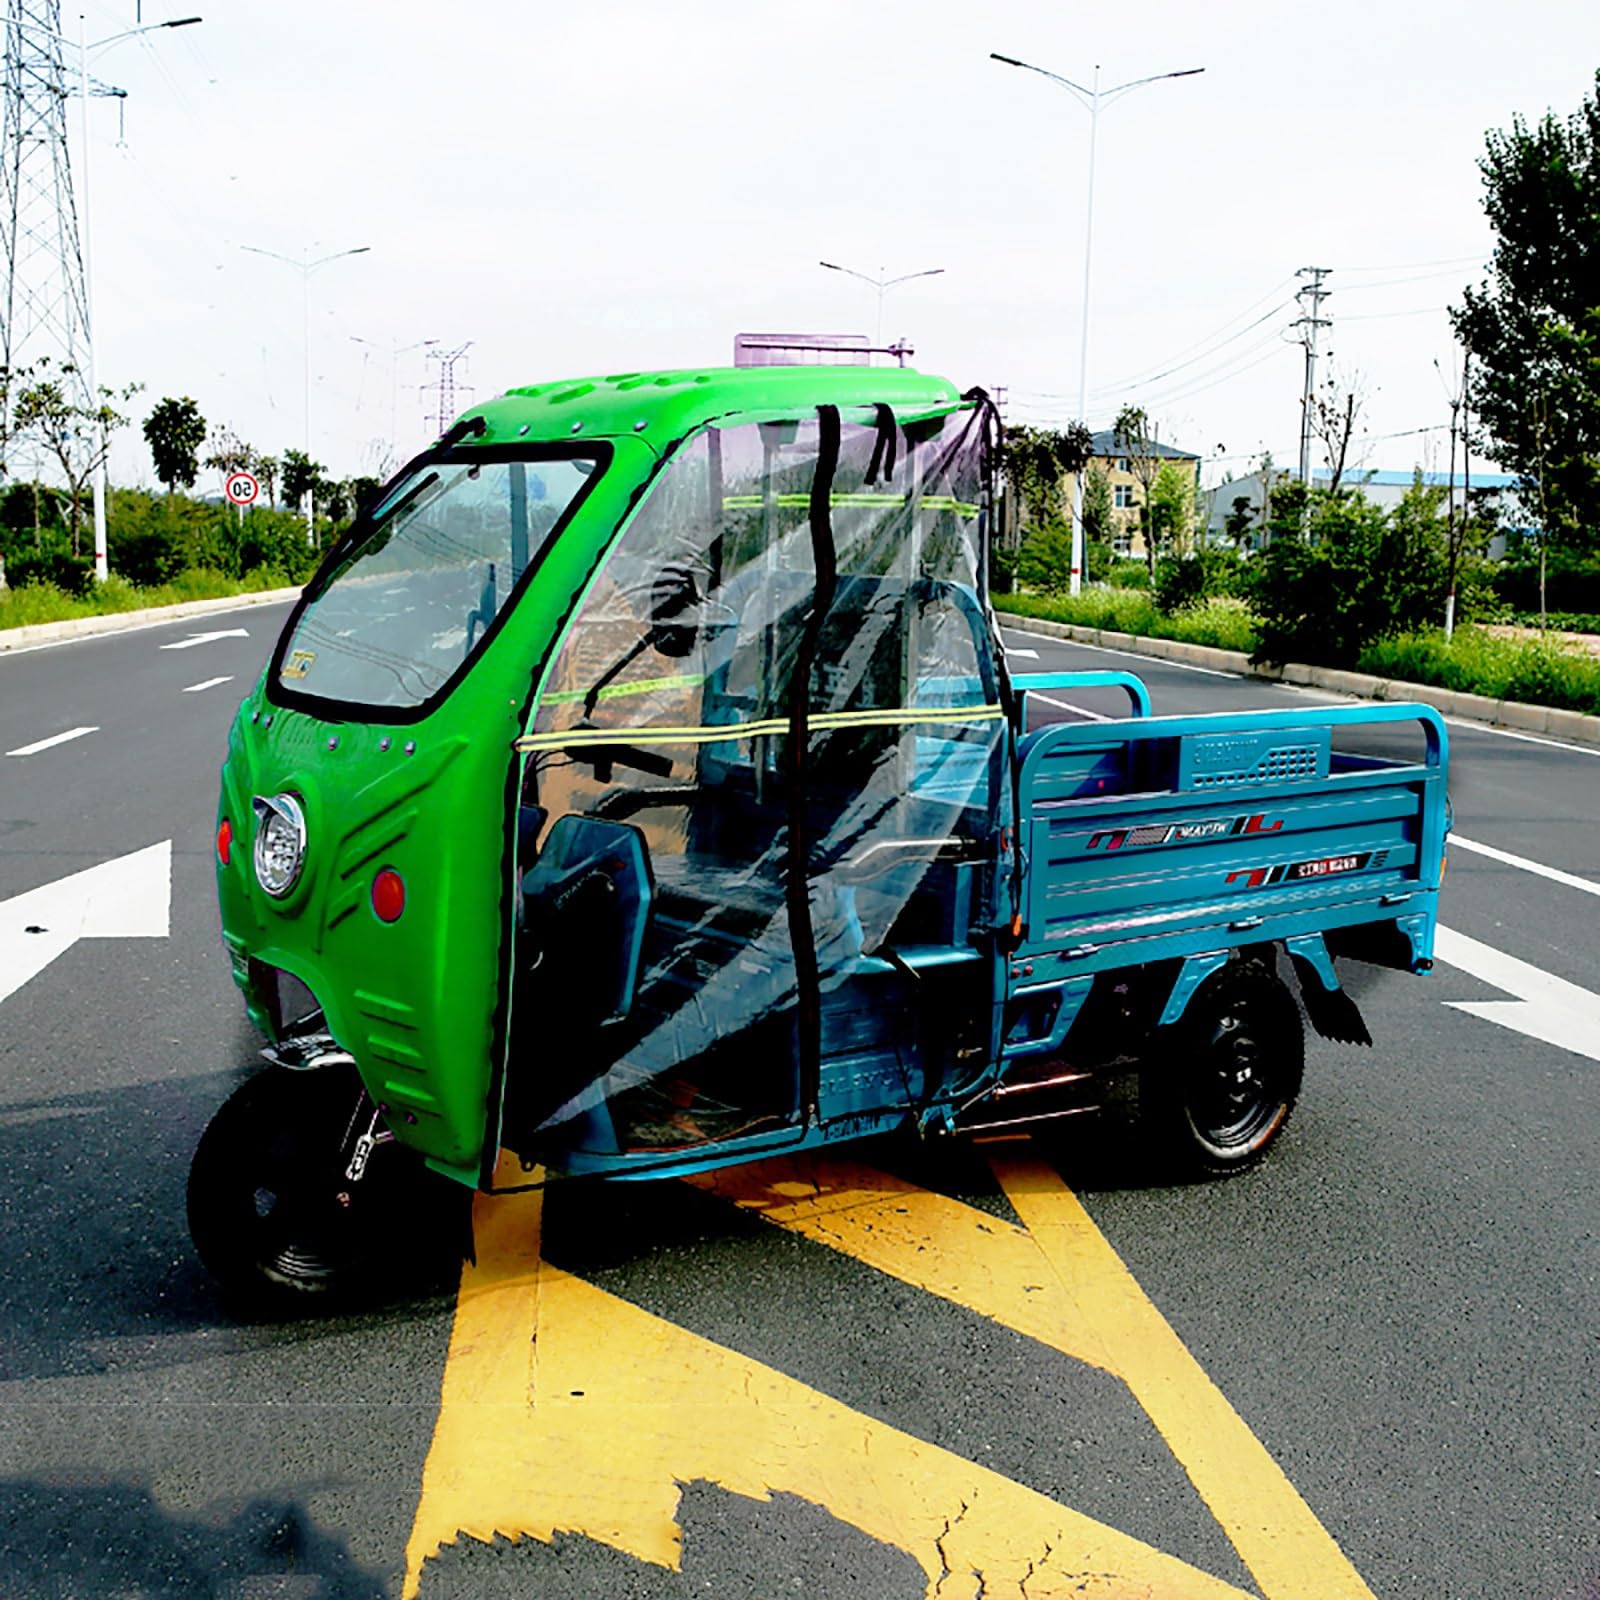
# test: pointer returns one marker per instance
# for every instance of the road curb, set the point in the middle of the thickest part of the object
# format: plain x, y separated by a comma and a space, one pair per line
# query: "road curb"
38, 633
1573, 726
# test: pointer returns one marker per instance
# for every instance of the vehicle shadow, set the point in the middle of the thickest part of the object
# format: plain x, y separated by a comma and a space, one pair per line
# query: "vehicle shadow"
100, 1273
113, 1539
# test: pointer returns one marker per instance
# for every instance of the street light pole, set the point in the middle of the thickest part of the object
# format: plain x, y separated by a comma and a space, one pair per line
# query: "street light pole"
306, 267
1091, 99
102, 568
881, 283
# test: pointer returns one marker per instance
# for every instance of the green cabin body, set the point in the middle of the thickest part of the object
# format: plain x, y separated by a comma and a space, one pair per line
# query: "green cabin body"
420, 790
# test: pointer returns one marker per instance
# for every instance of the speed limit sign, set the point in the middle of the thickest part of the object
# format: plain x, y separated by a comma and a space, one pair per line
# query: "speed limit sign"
242, 488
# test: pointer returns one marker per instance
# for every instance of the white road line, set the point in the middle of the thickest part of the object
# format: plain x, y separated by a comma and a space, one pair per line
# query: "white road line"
1554, 874
1017, 650
1526, 738
1155, 661
205, 638
210, 683
1547, 1008
55, 738
1067, 705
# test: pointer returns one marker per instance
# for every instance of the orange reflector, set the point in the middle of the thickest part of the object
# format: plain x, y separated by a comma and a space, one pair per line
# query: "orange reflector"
388, 895
224, 840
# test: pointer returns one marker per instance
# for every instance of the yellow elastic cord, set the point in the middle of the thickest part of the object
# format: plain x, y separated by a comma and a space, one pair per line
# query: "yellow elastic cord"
768, 728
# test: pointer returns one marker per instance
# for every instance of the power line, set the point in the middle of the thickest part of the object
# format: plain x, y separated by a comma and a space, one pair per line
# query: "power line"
1179, 366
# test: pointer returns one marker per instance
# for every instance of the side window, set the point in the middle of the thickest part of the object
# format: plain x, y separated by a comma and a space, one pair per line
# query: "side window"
690, 627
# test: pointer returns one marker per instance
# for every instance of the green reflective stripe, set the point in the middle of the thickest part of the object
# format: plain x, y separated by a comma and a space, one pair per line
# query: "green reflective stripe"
929, 502
615, 691
767, 728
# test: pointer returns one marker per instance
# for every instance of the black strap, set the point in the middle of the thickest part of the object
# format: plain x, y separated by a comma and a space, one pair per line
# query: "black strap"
797, 888
883, 450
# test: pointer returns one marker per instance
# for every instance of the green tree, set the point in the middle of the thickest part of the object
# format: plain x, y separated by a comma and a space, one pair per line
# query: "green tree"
1236, 525
229, 453
301, 476
1037, 459
1171, 520
175, 431
1138, 438
1098, 511
268, 469
1533, 327
48, 407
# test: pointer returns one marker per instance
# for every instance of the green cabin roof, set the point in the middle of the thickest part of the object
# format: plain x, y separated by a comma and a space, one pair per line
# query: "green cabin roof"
662, 406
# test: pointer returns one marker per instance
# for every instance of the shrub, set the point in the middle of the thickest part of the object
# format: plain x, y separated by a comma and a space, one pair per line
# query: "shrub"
73, 575
1572, 581
147, 555
277, 539
1127, 574
1362, 574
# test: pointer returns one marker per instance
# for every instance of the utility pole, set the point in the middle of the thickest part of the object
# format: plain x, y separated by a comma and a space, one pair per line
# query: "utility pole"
446, 386
1310, 321
1456, 542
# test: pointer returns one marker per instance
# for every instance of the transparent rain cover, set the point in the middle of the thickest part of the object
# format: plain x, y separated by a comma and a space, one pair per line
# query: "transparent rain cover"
662, 922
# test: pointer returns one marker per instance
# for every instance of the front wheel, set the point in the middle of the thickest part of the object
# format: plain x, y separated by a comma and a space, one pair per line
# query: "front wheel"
1231, 1074
272, 1211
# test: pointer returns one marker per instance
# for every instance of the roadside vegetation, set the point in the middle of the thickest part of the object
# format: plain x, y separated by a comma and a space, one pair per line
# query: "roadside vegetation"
1346, 583
163, 549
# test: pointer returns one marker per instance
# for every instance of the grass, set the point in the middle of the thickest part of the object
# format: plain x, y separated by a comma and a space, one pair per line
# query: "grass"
1221, 623
43, 602
1540, 672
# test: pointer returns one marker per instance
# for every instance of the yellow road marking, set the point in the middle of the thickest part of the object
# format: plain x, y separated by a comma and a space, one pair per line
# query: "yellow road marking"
1288, 1551
951, 1250
565, 1409
1058, 1281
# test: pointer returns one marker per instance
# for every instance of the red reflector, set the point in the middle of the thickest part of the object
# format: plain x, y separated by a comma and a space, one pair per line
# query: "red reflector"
224, 840
388, 895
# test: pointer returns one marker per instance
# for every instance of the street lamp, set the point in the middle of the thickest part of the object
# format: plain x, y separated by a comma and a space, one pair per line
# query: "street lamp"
306, 266
1091, 100
881, 283
102, 568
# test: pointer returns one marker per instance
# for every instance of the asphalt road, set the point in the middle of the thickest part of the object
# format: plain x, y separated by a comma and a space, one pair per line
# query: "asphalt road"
1401, 1305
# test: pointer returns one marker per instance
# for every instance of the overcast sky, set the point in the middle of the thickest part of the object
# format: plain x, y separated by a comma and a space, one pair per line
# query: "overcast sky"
613, 185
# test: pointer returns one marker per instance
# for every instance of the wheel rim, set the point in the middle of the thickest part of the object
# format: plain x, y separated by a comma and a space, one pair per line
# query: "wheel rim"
1236, 1096
300, 1233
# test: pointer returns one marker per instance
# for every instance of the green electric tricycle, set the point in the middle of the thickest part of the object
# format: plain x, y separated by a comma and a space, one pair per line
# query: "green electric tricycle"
639, 786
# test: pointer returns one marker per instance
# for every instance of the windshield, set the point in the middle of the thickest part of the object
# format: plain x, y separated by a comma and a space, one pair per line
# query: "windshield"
396, 619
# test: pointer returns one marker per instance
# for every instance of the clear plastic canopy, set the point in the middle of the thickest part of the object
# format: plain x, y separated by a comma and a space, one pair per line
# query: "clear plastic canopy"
773, 712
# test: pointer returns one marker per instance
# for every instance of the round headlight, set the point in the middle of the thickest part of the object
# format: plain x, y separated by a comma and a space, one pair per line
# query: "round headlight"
280, 843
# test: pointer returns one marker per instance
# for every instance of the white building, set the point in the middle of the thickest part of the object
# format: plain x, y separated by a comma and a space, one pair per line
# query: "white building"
1385, 489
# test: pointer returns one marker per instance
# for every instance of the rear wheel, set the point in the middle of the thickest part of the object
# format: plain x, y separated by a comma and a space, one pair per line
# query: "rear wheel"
271, 1210
1231, 1074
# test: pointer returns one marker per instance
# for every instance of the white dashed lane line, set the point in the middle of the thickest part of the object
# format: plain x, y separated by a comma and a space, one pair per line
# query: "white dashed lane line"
210, 683
54, 739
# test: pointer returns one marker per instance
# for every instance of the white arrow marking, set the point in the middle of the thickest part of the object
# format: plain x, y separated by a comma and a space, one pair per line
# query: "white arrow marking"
1547, 1008
210, 683
128, 898
205, 638
55, 738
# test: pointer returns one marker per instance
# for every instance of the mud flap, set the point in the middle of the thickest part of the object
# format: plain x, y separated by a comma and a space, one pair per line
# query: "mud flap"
1332, 1012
